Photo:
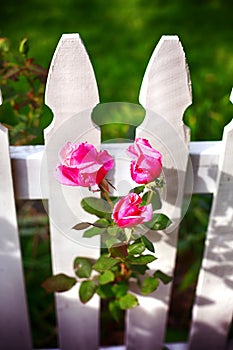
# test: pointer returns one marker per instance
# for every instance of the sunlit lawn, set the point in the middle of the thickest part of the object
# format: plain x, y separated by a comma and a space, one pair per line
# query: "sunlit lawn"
120, 36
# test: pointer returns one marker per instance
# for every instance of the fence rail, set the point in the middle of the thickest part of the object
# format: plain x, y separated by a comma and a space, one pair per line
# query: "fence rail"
26, 168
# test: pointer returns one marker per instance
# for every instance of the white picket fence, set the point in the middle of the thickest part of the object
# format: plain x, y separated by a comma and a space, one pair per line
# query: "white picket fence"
26, 172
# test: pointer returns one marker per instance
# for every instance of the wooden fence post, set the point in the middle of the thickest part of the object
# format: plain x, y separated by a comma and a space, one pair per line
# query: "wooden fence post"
14, 322
212, 312
165, 94
71, 93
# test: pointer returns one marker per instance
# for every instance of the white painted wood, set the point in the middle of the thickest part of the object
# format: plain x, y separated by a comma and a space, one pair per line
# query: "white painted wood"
165, 94
14, 322
27, 162
213, 309
27, 175
71, 93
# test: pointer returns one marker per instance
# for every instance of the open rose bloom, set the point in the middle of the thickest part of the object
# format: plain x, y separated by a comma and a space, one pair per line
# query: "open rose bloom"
82, 165
146, 164
128, 211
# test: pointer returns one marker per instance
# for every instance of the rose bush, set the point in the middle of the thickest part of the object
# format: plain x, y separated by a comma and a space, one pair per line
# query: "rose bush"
122, 223
128, 211
146, 164
82, 165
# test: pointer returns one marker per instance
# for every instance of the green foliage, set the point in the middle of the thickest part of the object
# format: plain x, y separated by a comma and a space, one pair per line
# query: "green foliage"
93, 231
141, 260
86, 291
22, 82
82, 267
107, 277
158, 222
162, 276
105, 262
149, 285
148, 244
136, 248
58, 283
128, 301
96, 206
124, 257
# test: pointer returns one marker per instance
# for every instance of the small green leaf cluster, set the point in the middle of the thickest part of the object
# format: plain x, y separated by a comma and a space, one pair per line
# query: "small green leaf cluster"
125, 258
22, 83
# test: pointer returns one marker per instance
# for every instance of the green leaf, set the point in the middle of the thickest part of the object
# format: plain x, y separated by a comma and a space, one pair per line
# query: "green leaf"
128, 301
24, 47
113, 230
148, 244
104, 263
112, 241
86, 291
119, 251
115, 310
105, 291
158, 222
120, 289
82, 267
59, 283
141, 260
139, 269
154, 199
93, 231
149, 285
138, 189
96, 206
136, 248
162, 276
107, 277
101, 223
81, 226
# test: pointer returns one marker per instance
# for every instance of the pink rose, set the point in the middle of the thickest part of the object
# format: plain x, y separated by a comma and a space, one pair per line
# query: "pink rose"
146, 164
127, 212
82, 165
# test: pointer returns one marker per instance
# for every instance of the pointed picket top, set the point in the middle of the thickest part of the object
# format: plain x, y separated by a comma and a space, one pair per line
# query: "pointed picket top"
231, 96
165, 94
71, 86
71, 94
166, 86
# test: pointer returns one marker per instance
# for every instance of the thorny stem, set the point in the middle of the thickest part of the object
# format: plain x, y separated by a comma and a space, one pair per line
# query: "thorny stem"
149, 197
104, 193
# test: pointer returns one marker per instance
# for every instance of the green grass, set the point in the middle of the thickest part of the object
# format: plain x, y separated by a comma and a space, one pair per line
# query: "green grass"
120, 37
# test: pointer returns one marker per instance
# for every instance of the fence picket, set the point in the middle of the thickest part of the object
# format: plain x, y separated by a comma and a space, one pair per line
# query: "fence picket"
212, 312
71, 93
14, 322
165, 94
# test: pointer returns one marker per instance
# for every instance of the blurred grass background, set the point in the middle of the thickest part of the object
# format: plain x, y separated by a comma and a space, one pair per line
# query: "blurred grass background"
120, 37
